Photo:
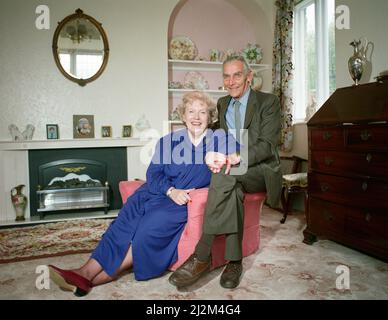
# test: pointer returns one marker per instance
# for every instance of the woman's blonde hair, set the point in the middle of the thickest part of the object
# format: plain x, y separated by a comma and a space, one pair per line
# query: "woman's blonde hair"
190, 97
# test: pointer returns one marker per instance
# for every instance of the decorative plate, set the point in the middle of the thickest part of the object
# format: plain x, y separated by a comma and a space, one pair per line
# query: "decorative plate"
195, 80
257, 81
182, 48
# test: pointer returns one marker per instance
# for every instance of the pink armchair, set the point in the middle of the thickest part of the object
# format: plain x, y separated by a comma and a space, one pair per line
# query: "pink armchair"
253, 204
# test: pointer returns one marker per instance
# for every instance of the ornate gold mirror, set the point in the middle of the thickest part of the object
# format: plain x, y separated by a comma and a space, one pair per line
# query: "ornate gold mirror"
80, 48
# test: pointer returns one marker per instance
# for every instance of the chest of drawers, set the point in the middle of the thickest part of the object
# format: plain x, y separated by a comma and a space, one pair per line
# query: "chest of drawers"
348, 170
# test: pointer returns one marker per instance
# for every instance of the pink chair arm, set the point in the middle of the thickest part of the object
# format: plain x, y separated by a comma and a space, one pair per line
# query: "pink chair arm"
195, 208
128, 188
195, 214
198, 202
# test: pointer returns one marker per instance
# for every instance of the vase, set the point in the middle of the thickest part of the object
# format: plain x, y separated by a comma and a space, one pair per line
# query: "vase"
19, 201
356, 62
215, 55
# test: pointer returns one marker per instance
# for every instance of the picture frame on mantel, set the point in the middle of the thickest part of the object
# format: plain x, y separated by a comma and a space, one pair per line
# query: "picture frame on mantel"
106, 132
52, 131
127, 131
83, 126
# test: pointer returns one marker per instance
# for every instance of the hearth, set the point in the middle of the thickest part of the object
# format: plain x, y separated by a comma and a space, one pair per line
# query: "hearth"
76, 180
72, 184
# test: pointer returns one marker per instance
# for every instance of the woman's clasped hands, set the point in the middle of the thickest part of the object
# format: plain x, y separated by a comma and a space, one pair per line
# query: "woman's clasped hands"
180, 196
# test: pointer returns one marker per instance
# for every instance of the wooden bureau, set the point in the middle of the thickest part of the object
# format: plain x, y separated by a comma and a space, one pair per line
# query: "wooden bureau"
348, 170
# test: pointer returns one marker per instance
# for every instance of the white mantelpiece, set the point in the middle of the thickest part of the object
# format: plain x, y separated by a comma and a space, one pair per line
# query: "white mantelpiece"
14, 168
71, 143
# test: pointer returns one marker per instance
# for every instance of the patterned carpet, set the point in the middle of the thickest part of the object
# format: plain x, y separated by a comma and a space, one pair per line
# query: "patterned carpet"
51, 239
283, 268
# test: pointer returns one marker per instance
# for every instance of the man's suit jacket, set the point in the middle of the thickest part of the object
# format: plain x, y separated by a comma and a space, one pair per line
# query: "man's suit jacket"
263, 124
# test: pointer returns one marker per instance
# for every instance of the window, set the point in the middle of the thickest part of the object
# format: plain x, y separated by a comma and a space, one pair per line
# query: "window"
314, 56
65, 59
87, 64
81, 64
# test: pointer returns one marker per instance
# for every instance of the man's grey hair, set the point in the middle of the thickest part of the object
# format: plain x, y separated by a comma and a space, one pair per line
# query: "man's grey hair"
238, 57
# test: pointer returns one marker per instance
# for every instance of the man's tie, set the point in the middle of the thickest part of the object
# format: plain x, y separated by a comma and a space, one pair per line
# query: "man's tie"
237, 119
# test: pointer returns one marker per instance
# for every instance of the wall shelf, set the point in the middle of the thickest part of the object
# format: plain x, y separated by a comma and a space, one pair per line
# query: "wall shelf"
188, 65
200, 65
183, 91
72, 143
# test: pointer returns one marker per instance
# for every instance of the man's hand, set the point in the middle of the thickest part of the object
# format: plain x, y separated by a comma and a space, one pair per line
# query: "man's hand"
232, 160
215, 161
180, 196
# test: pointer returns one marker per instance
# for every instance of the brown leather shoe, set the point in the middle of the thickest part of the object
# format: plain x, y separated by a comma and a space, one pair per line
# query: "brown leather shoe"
189, 272
230, 278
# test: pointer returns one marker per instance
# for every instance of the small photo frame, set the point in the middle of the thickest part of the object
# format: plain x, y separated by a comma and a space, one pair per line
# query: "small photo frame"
106, 132
127, 131
52, 131
174, 126
83, 126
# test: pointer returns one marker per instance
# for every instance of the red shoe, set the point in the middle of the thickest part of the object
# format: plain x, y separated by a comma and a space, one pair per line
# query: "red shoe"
70, 281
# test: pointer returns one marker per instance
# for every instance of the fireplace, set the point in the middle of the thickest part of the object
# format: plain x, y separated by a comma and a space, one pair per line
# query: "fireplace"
72, 184
74, 180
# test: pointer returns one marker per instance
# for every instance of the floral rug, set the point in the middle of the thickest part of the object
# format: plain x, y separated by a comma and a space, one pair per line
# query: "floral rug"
283, 268
51, 239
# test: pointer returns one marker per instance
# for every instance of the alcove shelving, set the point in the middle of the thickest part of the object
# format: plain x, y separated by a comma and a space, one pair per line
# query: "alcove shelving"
201, 65
204, 66
200, 29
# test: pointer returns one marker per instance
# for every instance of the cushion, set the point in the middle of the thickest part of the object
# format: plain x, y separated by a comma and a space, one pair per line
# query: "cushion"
295, 180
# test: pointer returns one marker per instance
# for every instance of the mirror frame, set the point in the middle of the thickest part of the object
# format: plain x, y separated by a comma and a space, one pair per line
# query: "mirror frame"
77, 15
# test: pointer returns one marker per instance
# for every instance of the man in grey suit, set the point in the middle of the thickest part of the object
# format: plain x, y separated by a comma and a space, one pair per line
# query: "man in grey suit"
254, 118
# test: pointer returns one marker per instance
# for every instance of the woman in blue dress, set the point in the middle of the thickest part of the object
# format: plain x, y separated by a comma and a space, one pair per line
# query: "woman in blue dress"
147, 230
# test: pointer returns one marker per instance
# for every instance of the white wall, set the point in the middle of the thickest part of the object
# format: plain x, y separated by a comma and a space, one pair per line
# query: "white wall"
300, 147
32, 89
367, 19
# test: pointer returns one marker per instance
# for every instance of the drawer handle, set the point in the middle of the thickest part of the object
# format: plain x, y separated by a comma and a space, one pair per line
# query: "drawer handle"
324, 187
369, 157
365, 135
327, 215
328, 161
364, 186
368, 217
327, 136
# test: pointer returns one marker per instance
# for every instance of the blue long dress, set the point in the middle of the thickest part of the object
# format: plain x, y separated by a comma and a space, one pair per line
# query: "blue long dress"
150, 221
